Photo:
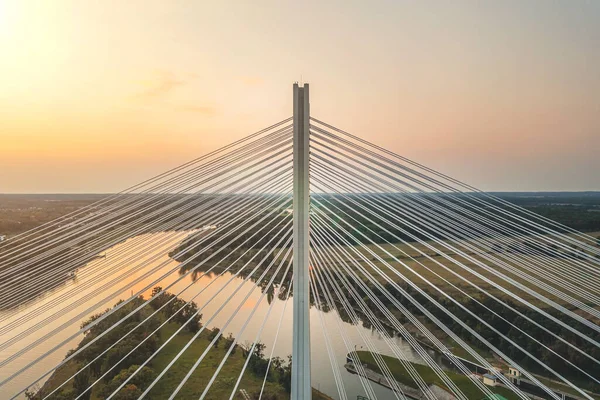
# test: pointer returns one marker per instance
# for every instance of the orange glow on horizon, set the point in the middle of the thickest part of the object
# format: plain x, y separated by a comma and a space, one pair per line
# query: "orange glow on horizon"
484, 93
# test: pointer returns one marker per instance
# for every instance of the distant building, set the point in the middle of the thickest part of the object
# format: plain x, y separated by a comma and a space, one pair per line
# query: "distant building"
490, 380
514, 375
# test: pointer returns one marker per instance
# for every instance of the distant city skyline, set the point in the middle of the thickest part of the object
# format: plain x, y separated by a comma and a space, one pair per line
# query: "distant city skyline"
95, 97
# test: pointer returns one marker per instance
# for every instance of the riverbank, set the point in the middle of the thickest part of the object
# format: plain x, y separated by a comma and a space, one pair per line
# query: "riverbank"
110, 378
401, 375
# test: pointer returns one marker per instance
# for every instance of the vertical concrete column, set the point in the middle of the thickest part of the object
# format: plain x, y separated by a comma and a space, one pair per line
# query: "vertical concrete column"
301, 386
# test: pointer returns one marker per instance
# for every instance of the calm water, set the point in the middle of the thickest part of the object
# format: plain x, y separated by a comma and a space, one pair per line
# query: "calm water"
88, 283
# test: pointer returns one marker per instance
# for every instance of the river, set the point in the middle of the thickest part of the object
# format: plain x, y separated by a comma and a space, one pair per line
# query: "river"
84, 288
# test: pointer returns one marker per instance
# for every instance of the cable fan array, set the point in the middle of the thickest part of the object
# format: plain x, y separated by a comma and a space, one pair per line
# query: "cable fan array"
224, 215
465, 279
400, 245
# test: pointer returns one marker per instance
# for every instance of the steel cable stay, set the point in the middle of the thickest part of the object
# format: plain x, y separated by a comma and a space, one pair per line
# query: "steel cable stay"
425, 255
150, 300
477, 287
450, 314
338, 250
583, 306
143, 264
455, 181
167, 188
190, 205
245, 325
231, 169
197, 334
157, 256
486, 209
191, 284
408, 198
282, 315
417, 304
585, 373
26, 234
410, 214
364, 382
152, 271
462, 265
266, 177
220, 204
395, 176
258, 335
282, 201
326, 254
182, 195
324, 285
565, 342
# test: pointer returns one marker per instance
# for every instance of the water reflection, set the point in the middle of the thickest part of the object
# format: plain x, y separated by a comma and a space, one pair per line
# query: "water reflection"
129, 269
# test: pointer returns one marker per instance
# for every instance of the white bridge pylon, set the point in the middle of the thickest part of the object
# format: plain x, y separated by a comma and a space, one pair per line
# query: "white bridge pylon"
301, 386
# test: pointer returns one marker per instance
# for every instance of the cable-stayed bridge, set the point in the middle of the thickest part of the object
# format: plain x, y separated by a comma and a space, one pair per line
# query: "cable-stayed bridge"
426, 286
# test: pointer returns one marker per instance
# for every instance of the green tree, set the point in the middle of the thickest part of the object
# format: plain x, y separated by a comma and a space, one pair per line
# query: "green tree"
141, 380
213, 334
81, 384
129, 392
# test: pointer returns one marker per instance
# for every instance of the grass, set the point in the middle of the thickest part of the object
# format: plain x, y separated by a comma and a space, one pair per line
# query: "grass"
226, 379
220, 389
564, 388
402, 376
472, 392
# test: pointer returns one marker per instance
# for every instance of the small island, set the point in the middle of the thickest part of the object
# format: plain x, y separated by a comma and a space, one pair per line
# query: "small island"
113, 367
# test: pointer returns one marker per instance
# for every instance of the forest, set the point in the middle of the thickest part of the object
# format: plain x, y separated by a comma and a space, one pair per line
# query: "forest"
104, 362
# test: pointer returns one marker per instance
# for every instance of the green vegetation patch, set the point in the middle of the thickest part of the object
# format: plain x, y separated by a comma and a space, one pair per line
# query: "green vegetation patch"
113, 367
401, 375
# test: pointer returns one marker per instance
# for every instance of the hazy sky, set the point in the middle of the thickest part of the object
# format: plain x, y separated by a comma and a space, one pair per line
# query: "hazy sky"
98, 95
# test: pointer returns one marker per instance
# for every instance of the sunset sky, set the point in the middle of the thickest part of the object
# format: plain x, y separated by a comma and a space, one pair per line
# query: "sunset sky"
98, 95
